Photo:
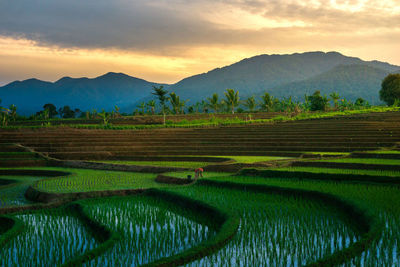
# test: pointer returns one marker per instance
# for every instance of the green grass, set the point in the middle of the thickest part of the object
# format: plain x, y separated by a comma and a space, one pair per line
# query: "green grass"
50, 238
340, 171
378, 200
149, 229
184, 174
329, 153
275, 230
366, 161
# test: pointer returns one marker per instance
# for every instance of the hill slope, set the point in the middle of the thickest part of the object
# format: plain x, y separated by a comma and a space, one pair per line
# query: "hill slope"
276, 73
105, 91
280, 75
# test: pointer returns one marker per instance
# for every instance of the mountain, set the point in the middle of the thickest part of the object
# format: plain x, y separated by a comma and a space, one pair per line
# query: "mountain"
351, 81
105, 91
280, 75
295, 74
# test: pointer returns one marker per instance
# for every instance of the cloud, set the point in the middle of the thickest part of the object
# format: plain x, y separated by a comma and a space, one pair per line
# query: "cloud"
171, 26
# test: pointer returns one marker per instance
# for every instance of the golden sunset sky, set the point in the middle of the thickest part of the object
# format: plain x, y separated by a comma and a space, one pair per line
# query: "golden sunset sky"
167, 40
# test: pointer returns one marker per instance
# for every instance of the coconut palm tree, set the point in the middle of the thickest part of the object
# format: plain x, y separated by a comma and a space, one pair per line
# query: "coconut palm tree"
267, 102
232, 98
250, 103
142, 106
151, 105
213, 103
335, 97
176, 102
162, 97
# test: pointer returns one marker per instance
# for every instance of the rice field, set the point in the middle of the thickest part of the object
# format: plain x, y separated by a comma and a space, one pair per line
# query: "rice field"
82, 180
341, 171
367, 161
274, 230
50, 238
177, 164
149, 230
376, 199
13, 194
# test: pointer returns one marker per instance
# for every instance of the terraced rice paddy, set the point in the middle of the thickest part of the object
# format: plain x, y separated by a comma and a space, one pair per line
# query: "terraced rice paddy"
93, 180
378, 200
275, 230
148, 228
51, 237
289, 216
13, 194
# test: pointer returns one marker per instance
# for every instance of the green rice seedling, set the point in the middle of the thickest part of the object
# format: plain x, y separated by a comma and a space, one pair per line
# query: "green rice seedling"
184, 174
96, 180
275, 230
13, 194
148, 228
50, 238
367, 161
341, 171
380, 201
177, 164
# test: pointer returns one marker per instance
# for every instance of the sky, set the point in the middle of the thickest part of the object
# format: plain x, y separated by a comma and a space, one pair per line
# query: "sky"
167, 40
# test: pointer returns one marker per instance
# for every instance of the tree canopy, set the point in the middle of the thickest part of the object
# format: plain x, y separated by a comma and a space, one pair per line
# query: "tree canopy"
390, 90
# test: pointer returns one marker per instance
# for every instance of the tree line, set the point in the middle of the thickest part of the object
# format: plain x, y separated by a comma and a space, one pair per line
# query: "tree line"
171, 103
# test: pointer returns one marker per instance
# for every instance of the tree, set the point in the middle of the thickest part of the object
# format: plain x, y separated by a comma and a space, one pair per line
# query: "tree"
142, 106
360, 102
13, 112
250, 103
152, 106
66, 112
318, 102
105, 116
232, 99
390, 90
213, 102
335, 97
162, 97
267, 102
176, 103
52, 110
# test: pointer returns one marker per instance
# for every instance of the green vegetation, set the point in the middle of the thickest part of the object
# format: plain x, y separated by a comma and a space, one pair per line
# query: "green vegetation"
340, 171
366, 161
184, 174
13, 194
50, 238
177, 164
83, 180
390, 92
376, 200
267, 220
147, 226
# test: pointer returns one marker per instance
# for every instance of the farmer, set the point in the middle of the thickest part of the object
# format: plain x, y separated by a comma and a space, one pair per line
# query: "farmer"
198, 173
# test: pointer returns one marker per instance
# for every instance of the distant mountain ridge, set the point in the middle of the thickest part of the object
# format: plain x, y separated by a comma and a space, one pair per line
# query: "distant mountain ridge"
280, 75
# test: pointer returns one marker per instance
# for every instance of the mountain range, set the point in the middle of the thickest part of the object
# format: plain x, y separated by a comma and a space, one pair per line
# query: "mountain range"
280, 75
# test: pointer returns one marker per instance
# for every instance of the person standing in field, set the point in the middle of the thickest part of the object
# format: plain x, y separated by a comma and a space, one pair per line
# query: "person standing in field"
198, 173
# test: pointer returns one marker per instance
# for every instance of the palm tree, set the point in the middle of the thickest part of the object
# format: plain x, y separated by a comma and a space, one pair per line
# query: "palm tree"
335, 97
232, 99
176, 102
162, 97
142, 106
267, 102
152, 106
250, 103
213, 102
13, 112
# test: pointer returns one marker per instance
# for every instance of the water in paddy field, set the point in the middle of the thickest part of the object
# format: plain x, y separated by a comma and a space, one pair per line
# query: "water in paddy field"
149, 232
275, 230
14, 194
49, 239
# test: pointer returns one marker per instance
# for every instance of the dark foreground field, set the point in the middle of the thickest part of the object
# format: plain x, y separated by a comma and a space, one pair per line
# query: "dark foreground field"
313, 192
